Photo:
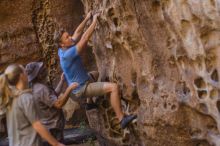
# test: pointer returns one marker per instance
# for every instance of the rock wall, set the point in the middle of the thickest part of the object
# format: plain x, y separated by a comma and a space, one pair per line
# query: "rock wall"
18, 41
164, 54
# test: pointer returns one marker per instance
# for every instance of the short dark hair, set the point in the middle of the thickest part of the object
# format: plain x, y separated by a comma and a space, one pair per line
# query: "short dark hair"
57, 36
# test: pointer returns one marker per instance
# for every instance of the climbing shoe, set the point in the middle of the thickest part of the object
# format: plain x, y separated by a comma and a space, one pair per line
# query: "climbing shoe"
126, 120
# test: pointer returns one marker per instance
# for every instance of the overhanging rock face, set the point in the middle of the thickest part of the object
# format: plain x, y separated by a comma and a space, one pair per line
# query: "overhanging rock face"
164, 54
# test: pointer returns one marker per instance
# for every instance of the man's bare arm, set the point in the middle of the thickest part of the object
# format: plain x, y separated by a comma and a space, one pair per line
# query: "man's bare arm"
86, 36
60, 84
44, 133
62, 99
79, 30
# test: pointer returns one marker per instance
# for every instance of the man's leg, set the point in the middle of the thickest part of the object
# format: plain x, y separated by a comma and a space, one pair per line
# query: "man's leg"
94, 75
101, 88
115, 100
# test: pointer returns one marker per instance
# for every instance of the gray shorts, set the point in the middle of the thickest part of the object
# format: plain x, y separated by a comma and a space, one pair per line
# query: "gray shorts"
90, 90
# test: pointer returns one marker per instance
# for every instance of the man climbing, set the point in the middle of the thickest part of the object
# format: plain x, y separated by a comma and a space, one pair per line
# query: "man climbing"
70, 49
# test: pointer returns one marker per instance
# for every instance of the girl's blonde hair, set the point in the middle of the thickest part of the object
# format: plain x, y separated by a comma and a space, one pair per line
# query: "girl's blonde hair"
8, 79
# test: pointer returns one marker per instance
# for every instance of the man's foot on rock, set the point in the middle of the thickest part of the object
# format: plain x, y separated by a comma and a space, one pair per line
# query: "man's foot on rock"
126, 120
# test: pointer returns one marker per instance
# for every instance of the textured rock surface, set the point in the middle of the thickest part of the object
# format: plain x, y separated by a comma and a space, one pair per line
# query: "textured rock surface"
164, 54
18, 41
